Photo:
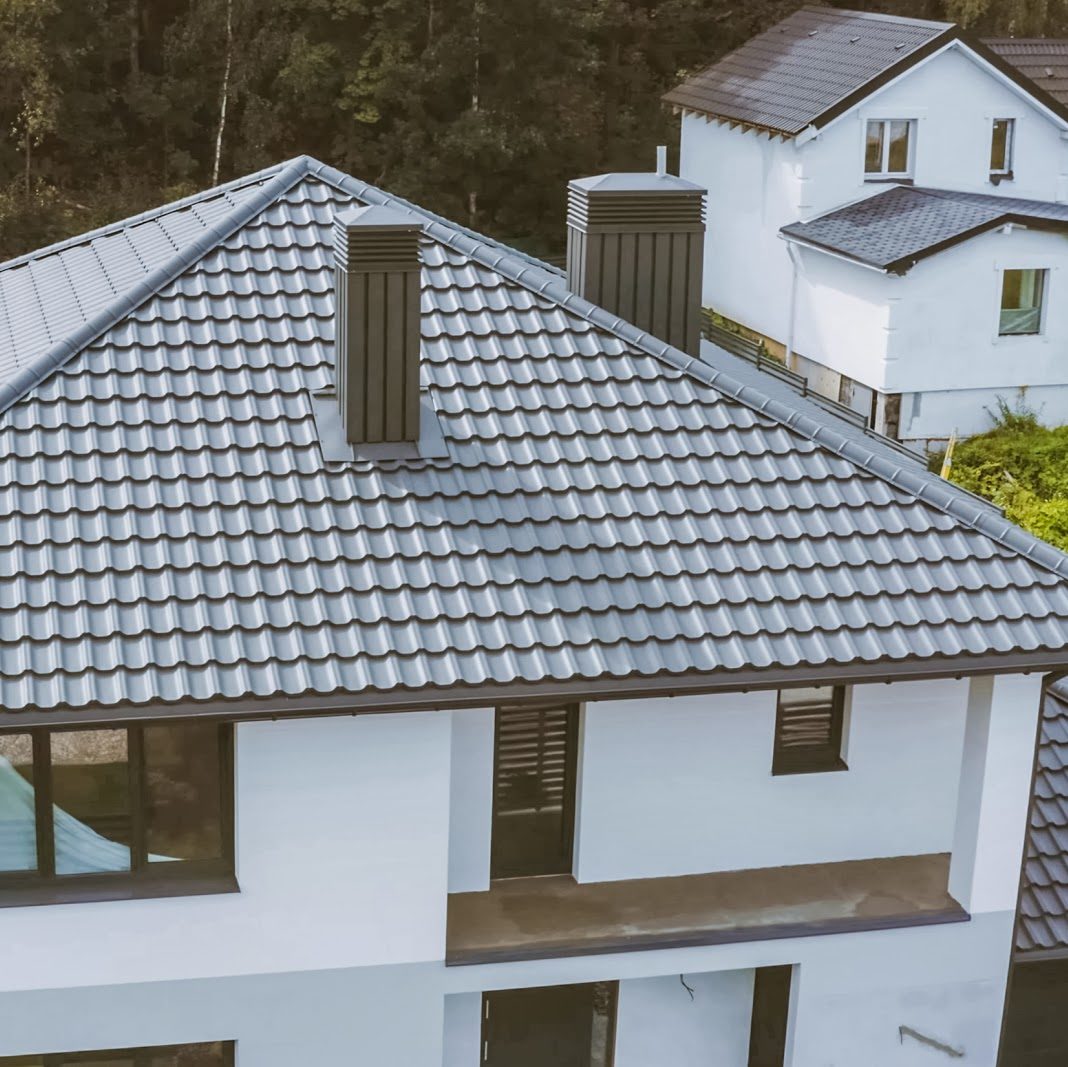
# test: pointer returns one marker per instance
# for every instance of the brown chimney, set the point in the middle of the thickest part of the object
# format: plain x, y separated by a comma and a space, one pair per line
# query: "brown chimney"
376, 353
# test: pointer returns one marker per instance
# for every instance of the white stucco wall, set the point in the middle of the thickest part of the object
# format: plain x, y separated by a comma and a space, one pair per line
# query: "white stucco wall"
684, 785
342, 839
711, 1028
471, 800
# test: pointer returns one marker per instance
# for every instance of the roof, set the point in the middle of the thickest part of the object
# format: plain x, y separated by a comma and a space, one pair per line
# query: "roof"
611, 512
1043, 917
808, 68
896, 228
1043, 60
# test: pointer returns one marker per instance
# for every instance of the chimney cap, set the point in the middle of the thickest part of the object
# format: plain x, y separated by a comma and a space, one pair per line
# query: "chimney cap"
636, 183
379, 217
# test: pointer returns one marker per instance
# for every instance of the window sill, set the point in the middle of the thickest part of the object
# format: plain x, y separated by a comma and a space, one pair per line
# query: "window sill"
83, 889
782, 770
997, 179
888, 179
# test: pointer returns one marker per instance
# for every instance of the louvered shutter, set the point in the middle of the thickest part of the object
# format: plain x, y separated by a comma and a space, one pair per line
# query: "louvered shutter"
533, 790
808, 730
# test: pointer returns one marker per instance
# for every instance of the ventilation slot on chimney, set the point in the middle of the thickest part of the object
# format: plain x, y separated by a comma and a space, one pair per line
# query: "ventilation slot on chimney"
635, 246
376, 410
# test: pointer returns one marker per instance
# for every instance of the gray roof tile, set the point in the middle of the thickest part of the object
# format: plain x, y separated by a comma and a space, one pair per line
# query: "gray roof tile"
895, 228
609, 510
806, 66
1043, 917
1043, 60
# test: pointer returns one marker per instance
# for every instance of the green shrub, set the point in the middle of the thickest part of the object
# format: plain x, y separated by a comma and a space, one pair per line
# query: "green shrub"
1022, 466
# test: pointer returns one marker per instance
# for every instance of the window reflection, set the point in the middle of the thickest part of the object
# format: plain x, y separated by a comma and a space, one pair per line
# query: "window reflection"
18, 822
183, 801
90, 789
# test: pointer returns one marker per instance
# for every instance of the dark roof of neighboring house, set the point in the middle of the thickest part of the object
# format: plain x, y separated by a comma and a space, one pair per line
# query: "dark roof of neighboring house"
611, 513
819, 62
1043, 60
806, 66
894, 229
1043, 919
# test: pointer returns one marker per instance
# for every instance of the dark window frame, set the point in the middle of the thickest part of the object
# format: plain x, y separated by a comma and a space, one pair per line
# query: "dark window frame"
141, 1054
143, 879
811, 760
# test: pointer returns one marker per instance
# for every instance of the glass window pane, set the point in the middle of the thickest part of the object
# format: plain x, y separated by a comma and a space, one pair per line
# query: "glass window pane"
183, 796
873, 154
899, 148
1021, 301
18, 820
90, 787
1000, 148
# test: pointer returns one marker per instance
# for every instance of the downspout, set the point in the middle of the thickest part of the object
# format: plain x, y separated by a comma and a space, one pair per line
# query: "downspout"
792, 324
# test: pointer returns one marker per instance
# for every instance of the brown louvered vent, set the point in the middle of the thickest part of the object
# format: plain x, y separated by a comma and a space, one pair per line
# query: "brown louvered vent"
808, 730
533, 791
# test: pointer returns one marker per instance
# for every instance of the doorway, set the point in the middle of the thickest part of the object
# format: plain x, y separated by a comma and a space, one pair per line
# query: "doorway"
552, 1026
535, 758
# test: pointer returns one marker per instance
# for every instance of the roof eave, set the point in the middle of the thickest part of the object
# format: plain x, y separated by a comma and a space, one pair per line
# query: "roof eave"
691, 683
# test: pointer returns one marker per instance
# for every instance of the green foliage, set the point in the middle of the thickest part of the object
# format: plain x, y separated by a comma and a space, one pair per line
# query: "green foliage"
1022, 466
479, 109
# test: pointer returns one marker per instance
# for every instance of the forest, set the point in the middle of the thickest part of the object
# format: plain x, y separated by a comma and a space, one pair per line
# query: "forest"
478, 109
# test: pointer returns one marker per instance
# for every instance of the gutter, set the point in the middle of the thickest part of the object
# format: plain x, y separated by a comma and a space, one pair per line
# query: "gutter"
793, 239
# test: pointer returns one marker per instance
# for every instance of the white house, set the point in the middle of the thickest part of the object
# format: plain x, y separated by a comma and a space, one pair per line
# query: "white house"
407, 660
888, 207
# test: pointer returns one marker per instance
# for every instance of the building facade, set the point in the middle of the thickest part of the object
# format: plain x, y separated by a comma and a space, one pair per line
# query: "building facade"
888, 202
573, 699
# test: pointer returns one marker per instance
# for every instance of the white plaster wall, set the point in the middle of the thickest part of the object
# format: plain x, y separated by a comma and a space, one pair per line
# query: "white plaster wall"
342, 839
471, 800
463, 1030
658, 1023
376, 1015
853, 991
753, 192
944, 327
934, 416
684, 785
842, 317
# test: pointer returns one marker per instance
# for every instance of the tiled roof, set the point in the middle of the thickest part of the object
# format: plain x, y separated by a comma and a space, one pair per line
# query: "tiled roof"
802, 70
1043, 60
46, 295
1043, 922
610, 510
897, 227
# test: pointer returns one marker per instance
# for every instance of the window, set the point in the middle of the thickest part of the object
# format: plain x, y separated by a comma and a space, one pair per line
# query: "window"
808, 730
535, 750
1001, 146
216, 1054
888, 149
1023, 294
83, 810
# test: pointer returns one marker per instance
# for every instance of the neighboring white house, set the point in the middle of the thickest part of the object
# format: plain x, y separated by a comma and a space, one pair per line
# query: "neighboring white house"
867, 180
408, 662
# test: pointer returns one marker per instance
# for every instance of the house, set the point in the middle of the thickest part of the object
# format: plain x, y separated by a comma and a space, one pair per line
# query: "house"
888, 211
408, 660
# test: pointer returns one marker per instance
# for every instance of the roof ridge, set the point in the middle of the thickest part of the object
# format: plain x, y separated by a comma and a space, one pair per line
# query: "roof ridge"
893, 469
285, 175
144, 216
879, 16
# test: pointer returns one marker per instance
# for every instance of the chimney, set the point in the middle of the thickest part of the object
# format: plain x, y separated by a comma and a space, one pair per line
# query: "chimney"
376, 353
635, 246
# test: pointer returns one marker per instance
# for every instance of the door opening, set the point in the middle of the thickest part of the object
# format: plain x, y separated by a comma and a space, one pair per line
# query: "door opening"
561, 1026
534, 770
